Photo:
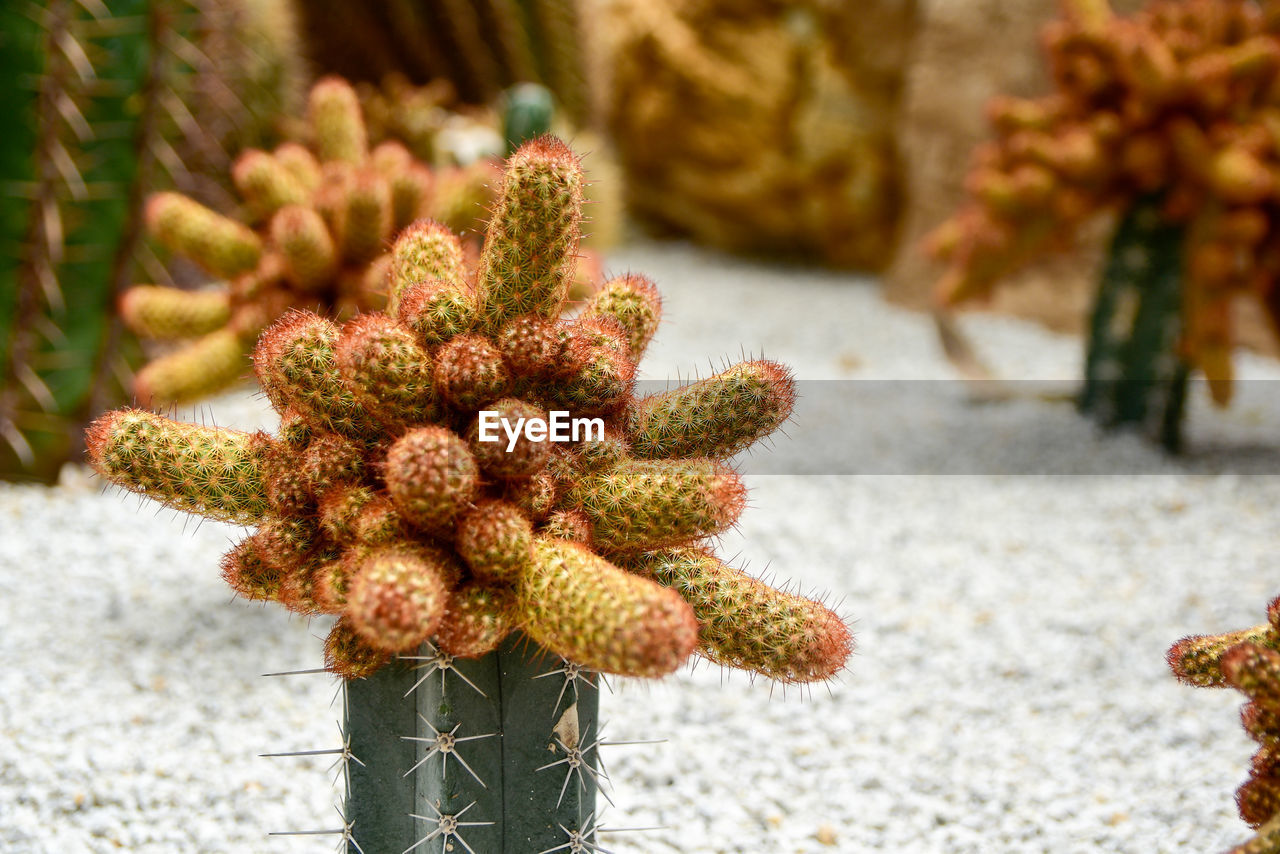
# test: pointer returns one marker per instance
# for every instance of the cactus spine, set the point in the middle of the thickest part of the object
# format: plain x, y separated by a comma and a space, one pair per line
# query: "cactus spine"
382, 502
513, 773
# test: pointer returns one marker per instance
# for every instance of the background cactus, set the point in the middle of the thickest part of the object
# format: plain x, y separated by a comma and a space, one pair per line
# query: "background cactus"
1169, 111
481, 48
1249, 661
768, 127
103, 98
382, 502
320, 219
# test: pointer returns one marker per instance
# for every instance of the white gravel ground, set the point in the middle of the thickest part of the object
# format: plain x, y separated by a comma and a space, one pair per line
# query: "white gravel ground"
1009, 695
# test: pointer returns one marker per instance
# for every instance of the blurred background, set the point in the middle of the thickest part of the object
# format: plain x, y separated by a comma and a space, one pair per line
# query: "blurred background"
815, 133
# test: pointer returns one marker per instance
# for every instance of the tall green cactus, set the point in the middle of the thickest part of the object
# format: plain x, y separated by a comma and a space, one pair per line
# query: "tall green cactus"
387, 501
80, 143
100, 95
1133, 371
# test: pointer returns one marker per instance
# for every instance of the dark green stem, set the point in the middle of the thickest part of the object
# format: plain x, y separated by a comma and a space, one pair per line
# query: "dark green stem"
1133, 373
490, 743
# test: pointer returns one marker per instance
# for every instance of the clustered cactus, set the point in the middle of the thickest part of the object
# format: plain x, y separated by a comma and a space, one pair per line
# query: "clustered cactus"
1249, 661
1176, 108
379, 501
320, 221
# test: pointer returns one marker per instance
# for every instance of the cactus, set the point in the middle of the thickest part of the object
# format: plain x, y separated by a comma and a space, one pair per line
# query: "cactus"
384, 502
1168, 111
320, 221
479, 48
101, 96
1133, 374
763, 127
1249, 661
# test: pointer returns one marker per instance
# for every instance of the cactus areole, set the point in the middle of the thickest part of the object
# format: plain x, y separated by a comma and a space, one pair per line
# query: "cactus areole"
378, 502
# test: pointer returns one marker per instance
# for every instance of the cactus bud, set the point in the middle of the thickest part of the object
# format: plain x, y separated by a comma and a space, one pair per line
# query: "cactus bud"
431, 477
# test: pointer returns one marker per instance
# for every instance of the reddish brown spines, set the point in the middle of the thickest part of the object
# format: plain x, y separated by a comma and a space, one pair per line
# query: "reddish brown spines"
295, 366
348, 655
431, 477
396, 596
1249, 662
470, 372
476, 620
249, 575
495, 539
1196, 660
386, 369
425, 250
499, 455
531, 345
1254, 670
437, 310
633, 302
599, 378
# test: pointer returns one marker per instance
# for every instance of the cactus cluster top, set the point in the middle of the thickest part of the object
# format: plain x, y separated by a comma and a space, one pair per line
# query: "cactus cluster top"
1249, 661
319, 219
1181, 100
380, 501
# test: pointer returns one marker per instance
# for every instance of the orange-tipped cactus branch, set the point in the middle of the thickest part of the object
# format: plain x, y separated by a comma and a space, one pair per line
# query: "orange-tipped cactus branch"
1249, 661
323, 219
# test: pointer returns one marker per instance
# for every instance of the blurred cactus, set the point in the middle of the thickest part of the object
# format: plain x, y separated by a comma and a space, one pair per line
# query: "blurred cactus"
527, 110
383, 500
429, 120
1248, 661
321, 220
481, 48
1172, 111
101, 96
767, 127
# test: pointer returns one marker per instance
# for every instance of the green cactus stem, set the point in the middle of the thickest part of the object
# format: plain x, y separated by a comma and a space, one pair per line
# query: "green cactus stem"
1134, 374
495, 754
